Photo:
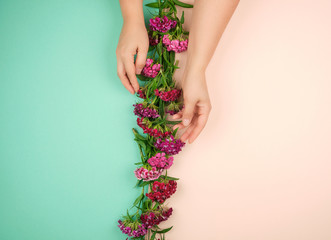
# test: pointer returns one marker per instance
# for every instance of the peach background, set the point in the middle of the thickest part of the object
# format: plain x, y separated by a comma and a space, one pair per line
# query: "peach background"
261, 168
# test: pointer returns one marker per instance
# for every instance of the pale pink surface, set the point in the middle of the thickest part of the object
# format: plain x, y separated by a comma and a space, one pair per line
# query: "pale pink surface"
261, 168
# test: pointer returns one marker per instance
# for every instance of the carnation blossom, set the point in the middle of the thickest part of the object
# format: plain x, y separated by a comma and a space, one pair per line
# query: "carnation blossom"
169, 145
161, 161
162, 191
141, 111
141, 94
168, 96
148, 175
174, 108
153, 132
151, 70
162, 24
174, 45
132, 229
153, 218
153, 41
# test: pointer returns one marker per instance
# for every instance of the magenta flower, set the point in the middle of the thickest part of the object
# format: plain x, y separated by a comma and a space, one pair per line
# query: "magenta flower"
170, 145
174, 45
168, 96
135, 229
141, 111
153, 41
161, 24
161, 161
148, 175
153, 218
151, 70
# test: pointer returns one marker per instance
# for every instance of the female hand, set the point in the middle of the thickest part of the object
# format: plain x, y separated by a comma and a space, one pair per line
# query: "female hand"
133, 40
196, 105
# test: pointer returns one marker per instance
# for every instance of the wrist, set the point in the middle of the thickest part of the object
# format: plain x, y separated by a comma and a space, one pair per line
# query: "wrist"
195, 63
194, 68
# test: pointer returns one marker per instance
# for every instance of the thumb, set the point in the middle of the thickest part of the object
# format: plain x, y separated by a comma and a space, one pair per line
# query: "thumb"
188, 112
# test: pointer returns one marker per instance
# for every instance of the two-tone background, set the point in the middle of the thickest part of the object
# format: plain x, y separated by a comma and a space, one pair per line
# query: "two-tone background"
259, 171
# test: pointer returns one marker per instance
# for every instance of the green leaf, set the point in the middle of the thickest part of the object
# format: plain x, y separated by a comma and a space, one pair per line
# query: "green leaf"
159, 48
138, 182
181, 4
143, 78
172, 122
141, 183
129, 216
153, 236
152, 5
141, 196
166, 56
138, 136
169, 178
174, 132
161, 109
173, 7
182, 18
172, 57
164, 230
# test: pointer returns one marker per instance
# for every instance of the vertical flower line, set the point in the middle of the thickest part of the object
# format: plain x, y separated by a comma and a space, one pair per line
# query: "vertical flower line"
158, 142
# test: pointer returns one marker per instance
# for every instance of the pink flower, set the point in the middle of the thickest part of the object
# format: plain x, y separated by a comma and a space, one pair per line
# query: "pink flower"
162, 24
174, 45
148, 175
169, 145
150, 70
161, 161
141, 111
132, 229
168, 96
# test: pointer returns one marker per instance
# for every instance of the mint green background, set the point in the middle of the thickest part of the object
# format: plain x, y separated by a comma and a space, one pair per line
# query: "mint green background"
66, 145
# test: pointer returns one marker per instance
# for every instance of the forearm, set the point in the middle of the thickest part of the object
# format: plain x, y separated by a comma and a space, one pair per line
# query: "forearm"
132, 11
209, 20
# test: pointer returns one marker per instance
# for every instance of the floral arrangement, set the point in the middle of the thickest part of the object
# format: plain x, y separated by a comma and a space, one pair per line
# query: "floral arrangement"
158, 143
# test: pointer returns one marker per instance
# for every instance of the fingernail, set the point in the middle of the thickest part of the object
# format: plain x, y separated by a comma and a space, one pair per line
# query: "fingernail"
186, 122
138, 71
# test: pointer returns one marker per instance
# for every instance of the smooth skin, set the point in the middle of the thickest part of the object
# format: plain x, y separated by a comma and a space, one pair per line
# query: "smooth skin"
209, 20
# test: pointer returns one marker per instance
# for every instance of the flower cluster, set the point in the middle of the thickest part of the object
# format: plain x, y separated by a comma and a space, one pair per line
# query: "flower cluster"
153, 41
174, 108
153, 218
170, 145
168, 96
141, 111
132, 229
159, 98
151, 70
172, 112
175, 45
147, 175
141, 94
161, 161
153, 132
162, 24
161, 191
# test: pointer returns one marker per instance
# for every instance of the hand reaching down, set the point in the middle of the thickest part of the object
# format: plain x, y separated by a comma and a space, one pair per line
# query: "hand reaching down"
196, 106
133, 40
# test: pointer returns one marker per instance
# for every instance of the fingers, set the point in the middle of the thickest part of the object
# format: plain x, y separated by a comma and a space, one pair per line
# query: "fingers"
141, 59
201, 123
203, 114
197, 123
189, 130
188, 112
130, 72
122, 75
177, 115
